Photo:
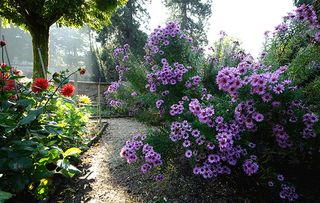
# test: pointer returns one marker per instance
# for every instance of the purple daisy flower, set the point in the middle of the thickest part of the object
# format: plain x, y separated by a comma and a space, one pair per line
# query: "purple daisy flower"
188, 154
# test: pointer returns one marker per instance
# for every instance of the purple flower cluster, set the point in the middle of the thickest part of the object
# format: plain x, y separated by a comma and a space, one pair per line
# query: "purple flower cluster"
309, 120
167, 75
303, 14
161, 37
228, 80
245, 114
211, 170
281, 28
306, 13
177, 109
282, 137
288, 193
180, 130
250, 167
151, 158
122, 52
231, 79
193, 82
113, 87
204, 115
115, 103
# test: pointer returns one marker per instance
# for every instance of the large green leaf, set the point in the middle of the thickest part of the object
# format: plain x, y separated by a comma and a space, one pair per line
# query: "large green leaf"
26, 102
67, 169
72, 152
53, 129
25, 145
68, 101
33, 114
20, 163
4, 196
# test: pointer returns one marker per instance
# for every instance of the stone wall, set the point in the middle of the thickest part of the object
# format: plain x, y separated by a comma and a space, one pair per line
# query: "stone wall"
91, 89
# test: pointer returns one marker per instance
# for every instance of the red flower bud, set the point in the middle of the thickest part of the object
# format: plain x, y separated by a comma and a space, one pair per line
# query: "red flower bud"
82, 71
2, 43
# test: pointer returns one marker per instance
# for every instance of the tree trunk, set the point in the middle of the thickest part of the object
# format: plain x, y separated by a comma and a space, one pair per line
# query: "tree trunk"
40, 39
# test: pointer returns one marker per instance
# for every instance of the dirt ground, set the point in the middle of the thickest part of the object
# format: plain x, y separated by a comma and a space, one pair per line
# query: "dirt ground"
108, 178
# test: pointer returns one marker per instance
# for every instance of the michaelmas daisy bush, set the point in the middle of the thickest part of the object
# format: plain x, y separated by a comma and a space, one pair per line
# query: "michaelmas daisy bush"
254, 128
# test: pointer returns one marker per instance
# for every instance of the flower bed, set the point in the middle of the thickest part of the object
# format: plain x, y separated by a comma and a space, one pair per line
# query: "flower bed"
41, 132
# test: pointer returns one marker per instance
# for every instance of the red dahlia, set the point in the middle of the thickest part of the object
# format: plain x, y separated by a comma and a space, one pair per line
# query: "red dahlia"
67, 90
40, 85
9, 85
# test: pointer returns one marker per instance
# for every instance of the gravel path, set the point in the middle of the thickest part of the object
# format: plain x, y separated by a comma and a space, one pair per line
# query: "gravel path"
109, 179
108, 163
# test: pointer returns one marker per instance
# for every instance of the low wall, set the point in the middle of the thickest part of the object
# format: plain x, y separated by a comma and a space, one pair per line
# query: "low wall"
91, 89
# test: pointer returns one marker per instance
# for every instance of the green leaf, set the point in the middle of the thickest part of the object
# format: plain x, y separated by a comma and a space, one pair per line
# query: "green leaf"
4, 196
72, 152
26, 102
68, 100
7, 104
14, 77
33, 114
20, 163
67, 169
54, 129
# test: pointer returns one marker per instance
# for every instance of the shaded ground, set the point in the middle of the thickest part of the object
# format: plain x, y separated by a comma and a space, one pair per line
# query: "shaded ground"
108, 178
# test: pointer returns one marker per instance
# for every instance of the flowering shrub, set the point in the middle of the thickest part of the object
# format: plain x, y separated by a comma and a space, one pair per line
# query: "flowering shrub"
295, 43
237, 119
40, 132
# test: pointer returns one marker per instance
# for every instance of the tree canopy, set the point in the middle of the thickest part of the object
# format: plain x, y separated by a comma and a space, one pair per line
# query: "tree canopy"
37, 16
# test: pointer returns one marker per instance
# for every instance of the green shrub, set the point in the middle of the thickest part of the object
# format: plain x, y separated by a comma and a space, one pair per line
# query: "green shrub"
40, 132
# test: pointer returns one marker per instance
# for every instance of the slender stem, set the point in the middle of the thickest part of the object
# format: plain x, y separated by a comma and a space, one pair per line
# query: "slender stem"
2, 54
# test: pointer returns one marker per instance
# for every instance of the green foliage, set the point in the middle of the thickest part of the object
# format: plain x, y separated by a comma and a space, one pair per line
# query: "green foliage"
283, 47
40, 135
4, 196
304, 68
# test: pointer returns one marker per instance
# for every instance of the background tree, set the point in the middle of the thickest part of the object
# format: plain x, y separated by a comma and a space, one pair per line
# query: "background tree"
38, 16
193, 16
124, 29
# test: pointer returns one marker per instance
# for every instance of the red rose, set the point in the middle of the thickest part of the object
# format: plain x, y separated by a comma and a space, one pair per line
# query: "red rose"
67, 90
40, 85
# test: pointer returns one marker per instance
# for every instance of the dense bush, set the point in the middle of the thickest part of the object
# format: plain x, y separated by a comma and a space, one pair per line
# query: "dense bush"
40, 132
250, 125
295, 43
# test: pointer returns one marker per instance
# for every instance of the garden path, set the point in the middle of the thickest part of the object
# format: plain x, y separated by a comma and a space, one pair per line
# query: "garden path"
109, 179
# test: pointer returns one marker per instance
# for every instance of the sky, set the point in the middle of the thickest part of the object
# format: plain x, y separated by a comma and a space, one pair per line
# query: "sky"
247, 20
